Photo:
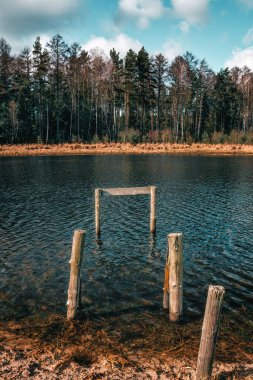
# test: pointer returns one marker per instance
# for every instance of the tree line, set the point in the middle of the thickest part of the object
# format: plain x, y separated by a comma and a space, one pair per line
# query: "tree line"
62, 93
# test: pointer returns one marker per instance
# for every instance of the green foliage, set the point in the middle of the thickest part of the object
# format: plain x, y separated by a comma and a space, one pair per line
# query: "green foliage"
217, 138
95, 139
5, 124
132, 136
205, 138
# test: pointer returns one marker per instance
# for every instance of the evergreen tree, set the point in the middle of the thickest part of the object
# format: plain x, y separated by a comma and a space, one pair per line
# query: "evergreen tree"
58, 56
117, 90
160, 75
41, 61
6, 67
226, 102
24, 130
130, 89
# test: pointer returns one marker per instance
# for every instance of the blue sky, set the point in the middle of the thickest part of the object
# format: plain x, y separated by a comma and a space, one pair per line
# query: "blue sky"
221, 31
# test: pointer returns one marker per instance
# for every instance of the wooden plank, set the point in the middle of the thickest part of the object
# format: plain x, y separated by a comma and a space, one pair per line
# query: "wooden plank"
127, 190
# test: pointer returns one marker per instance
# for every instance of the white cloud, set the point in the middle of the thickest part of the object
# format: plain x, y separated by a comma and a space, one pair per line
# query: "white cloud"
44, 7
248, 38
247, 3
21, 20
241, 58
193, 12
171, 49
143, 11
27, 41
184, 27
44, 39
121, 43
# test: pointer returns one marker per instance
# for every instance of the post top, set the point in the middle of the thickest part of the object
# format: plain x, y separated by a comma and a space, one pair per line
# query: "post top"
80, 231
216, 288
175, 234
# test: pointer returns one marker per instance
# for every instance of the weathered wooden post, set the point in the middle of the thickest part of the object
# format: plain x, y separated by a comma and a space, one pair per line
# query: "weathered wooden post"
166, 282
210, 330
74, 281
97, 210
153, 208
175, 275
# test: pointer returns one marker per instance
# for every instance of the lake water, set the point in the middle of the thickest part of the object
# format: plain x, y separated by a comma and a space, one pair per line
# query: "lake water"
44, 199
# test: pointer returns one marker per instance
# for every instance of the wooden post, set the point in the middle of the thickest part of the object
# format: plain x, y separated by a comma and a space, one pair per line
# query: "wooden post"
175, 276
166, 283
97, 210
153, 208
74, 281
210, 330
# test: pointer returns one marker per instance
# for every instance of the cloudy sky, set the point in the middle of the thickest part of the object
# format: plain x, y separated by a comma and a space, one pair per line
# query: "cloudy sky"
221, 31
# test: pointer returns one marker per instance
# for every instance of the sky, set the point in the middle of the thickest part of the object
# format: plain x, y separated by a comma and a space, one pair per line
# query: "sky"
221, 31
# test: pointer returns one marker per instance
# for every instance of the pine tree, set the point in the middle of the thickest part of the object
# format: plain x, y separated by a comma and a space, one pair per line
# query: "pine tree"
130, 89
143, 82
6, 74
160, 75
58, 55
117, 90
226, 100
41, 61
23, 99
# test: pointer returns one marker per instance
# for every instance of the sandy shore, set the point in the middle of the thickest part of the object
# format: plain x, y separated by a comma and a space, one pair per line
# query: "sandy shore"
120, 148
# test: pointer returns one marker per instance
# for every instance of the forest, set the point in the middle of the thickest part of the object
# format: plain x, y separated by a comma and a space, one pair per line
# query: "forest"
62, 93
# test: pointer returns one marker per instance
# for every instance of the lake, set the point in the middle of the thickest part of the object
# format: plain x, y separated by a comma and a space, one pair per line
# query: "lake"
44, 199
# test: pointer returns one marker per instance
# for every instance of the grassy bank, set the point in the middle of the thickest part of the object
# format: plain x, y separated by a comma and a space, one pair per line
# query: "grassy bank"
125, 148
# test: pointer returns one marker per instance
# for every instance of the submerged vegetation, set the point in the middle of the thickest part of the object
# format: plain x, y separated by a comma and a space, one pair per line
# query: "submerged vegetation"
62, 93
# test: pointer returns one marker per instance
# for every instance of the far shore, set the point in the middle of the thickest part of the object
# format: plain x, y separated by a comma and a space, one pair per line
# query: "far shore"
125, 148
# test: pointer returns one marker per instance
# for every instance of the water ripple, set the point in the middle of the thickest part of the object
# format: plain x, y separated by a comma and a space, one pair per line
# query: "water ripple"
43, 200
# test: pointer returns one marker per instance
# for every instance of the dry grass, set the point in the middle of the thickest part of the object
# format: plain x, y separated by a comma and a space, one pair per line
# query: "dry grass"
124, 148
126, 346
149, 333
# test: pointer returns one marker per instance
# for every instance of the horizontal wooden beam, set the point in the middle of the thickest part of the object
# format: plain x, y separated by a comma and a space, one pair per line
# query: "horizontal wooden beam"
127, 190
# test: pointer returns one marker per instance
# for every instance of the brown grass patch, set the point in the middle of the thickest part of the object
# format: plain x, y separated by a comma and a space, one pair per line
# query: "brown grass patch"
148, 333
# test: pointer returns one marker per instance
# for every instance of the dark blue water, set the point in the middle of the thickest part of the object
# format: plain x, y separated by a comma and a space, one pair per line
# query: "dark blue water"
44, 199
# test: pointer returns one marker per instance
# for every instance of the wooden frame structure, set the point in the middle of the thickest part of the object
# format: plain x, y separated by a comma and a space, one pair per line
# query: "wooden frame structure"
149, 190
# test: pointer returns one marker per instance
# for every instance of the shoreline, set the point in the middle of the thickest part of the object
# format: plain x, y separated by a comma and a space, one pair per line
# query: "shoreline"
196, 149
125, 347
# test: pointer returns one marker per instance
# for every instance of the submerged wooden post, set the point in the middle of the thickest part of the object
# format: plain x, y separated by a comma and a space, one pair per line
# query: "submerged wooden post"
175, 276
97, 210
153, 208
74, 281
210, 330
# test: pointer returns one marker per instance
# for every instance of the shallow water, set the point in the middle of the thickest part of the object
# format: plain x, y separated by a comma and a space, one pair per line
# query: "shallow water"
44, 199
